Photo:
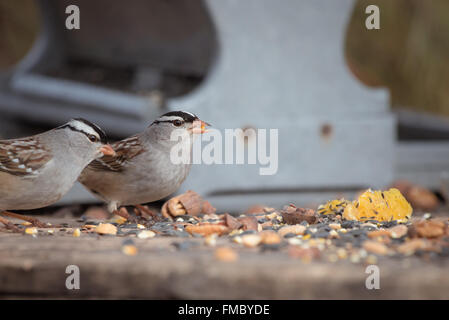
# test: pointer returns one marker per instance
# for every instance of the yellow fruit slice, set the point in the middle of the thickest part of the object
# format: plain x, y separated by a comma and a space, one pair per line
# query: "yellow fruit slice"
379, 205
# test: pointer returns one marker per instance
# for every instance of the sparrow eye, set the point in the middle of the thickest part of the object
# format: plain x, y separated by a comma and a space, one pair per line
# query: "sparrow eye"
93, 138
177, 123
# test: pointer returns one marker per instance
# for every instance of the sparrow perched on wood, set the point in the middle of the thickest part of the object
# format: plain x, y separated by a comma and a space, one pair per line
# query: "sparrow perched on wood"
37, 171
142, 169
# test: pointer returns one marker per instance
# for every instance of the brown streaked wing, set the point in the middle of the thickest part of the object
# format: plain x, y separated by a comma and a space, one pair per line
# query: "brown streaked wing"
23, 157
125, 150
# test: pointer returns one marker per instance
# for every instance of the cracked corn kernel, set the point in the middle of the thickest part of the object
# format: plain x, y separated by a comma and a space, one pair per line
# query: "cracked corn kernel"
76, 232
118, 219
129, 250
379, 205
31, 230
307, 237
235, 232
272, 215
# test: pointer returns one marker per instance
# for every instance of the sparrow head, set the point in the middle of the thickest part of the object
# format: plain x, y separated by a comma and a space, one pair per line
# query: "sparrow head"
180, 120
88, 136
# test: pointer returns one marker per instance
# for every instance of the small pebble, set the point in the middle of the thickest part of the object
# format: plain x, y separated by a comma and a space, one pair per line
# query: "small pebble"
270, 237
237, 239
334, 234
130, 250
294, 241
251, 240
427, 216
355, 258
347, 224
342, 253
369, 225
146, 234
290, 235
335, 226
211, 240
226, 254
371, 259
398, 231
185, 245
379, 233
375, 247
295, 229
271, 247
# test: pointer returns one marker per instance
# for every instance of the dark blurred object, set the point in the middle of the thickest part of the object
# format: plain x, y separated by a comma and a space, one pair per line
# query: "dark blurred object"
19, 26
408, 54
419, 197
174, 36
119, 67
139, 47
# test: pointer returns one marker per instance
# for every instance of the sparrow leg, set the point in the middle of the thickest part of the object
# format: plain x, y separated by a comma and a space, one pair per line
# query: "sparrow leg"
9, 225
35, 222
122, 212
143, 210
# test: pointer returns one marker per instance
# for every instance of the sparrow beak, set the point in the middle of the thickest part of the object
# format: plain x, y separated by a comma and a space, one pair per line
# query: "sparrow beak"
107, 150
199, 126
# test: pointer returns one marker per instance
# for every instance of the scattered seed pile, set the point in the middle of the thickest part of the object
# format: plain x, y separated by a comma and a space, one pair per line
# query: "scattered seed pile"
300, 233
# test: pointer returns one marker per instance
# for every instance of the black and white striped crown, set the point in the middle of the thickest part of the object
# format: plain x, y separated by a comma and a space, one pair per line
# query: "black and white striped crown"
86, 127
177, 115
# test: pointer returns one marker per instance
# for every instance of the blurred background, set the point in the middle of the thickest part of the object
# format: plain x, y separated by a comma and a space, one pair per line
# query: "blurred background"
355, 107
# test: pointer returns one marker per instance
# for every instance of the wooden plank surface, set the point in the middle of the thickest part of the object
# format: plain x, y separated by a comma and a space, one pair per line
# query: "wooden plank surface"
34, 267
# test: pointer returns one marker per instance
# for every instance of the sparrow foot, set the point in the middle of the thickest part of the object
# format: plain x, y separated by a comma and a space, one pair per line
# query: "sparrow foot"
34, 222
145, 213
122, 212
9, 225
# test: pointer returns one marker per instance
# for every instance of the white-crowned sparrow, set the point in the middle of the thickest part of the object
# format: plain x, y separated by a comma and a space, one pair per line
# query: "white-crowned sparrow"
142, 170
37, 171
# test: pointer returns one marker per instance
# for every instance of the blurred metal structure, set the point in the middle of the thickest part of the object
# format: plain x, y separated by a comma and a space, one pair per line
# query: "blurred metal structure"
118, 36
279, 65
287, 70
